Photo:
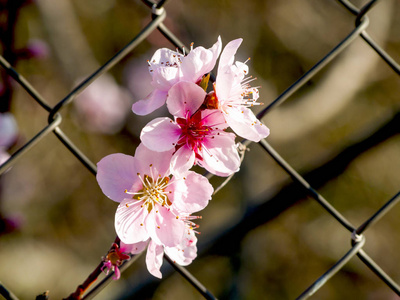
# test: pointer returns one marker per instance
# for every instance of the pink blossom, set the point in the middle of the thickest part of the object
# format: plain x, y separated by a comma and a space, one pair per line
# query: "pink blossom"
35, 48
8, 134
113, 260
168, 67
153, 204
103, 106
233, 95
183, 253
197, 136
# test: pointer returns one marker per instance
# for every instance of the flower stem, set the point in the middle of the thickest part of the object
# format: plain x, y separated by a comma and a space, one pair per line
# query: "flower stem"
80, 290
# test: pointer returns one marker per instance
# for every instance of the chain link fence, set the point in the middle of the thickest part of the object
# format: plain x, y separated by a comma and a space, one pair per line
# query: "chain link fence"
284, 197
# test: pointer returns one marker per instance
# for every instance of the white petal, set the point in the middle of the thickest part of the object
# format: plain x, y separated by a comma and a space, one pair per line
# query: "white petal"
130, 222
186, 252
245, 124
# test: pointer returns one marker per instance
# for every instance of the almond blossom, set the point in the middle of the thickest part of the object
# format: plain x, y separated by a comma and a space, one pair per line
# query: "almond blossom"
153, 204
233, 95
196, 136
168, 67
182, 254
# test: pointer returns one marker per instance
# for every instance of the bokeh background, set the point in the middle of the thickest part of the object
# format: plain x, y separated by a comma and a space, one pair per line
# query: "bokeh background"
64, 224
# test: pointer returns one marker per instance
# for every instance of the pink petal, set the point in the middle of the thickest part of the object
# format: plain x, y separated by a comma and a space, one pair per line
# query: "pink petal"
191, 194
130, 222
200, 61
135, 248
185, 97
220, 155
214, 118
117, 273
186, 252
103, 106
106, 265
8, 129
115, 174
228, 54
151, 162
245, 124
161, 134
154, 100
4, 156
182, 161
154, 259
164, 227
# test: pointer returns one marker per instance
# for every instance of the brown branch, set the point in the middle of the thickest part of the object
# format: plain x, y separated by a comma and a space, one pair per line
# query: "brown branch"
82, 288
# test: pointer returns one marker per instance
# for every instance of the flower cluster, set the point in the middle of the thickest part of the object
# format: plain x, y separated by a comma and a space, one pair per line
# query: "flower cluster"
156, 190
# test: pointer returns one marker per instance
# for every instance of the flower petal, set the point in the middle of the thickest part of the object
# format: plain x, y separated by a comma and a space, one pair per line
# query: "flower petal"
117, 273
213, 118
154, 259
220, 155
8, 129
115, 174
165, 56
164, 227
200, 61
130, 222
182, 160
4, 156
186, 252
191, 194
161, 134
245, 124
165, 77
228, 54
152, 163
185, 98
154, 100
135, 248
226, 78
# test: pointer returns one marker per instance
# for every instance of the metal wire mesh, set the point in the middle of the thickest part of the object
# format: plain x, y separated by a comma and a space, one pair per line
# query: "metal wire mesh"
356, 233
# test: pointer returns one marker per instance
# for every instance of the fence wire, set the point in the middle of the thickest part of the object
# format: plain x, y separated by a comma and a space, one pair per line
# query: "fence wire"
158, 13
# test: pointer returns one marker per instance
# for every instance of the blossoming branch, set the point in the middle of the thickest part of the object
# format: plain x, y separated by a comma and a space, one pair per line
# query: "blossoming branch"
156, 191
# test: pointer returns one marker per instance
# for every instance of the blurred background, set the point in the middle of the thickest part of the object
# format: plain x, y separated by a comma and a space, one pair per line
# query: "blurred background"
57, 224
